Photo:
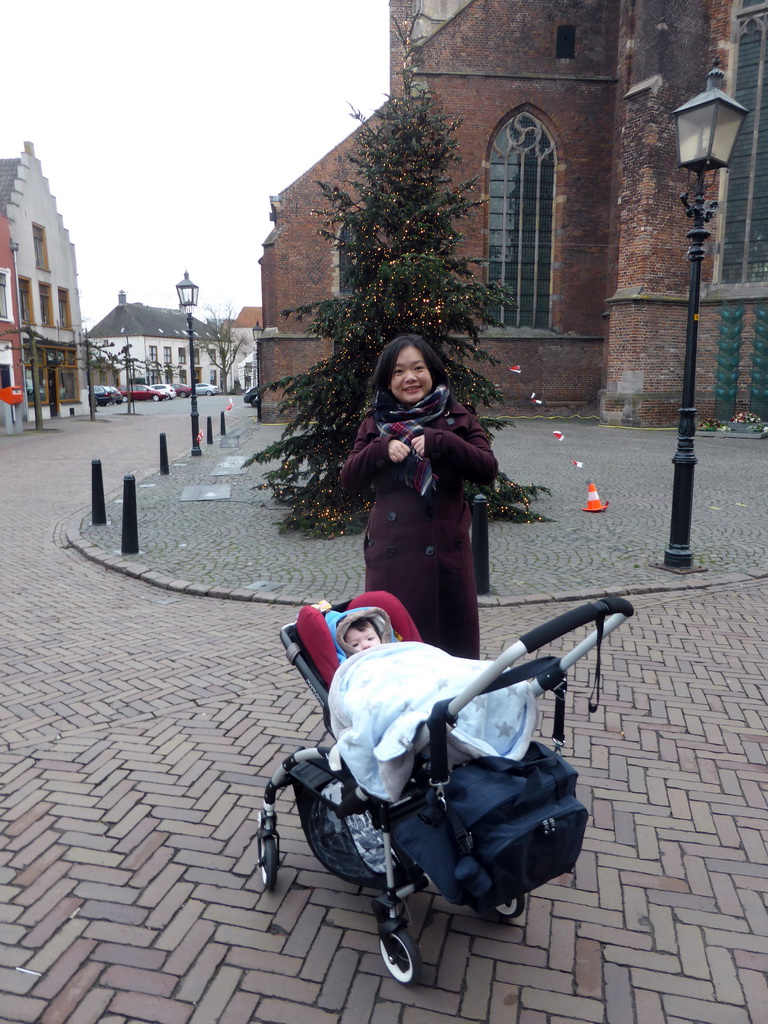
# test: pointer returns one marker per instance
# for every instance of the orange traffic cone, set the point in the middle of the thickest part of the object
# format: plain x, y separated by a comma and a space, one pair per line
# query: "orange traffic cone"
593, 500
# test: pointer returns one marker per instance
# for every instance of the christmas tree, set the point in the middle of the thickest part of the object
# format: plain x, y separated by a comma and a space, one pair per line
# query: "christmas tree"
396, 229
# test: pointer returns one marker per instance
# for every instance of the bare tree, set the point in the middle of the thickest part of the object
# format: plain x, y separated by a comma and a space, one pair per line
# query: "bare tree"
225, 346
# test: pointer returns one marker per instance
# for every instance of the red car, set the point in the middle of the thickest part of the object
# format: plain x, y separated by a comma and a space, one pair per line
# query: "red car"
143, 393
182, 390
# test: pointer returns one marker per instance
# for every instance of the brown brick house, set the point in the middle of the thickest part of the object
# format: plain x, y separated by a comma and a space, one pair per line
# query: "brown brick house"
566, 108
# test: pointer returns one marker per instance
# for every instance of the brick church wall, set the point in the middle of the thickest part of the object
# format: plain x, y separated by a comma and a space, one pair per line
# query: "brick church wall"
648, 311
575, 100
619, 275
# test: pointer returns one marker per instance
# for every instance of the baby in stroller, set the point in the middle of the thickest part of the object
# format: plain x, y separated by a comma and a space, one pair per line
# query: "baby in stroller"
485, 822
359, 629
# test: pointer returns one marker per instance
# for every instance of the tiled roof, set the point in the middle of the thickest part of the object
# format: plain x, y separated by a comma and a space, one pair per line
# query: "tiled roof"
134, 319
8, 171
249, 316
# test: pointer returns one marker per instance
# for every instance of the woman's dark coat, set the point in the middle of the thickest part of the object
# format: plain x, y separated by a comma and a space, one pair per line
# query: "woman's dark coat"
424, 556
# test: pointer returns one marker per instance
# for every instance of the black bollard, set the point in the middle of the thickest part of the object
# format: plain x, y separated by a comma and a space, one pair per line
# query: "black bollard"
223, 424
98, 510
209, 424
165, 469
130, 542
480, 543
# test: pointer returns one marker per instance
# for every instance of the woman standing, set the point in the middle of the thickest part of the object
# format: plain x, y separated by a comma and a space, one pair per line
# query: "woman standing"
417, 447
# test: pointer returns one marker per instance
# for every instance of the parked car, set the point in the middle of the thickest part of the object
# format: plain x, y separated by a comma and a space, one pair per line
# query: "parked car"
169, 389
207, 389
182, 390
252, 397
115, 394
143, 393
102, 395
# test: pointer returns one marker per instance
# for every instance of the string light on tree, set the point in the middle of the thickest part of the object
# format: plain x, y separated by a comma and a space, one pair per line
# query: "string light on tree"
398, 225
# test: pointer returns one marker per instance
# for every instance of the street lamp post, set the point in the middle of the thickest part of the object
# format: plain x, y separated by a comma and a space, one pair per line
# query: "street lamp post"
707, 128
257, 332
188, 293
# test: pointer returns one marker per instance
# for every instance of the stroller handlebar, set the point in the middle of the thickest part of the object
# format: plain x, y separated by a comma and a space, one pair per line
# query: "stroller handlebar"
557, 627
615, 609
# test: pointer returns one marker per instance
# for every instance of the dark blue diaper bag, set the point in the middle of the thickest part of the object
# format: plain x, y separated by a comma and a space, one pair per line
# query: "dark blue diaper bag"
501, 829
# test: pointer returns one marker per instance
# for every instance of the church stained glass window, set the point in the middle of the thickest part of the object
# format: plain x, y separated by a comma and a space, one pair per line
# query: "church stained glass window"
522, 190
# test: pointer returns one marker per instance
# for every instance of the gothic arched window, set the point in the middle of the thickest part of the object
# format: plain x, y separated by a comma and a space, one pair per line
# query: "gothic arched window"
745, 245
522, 192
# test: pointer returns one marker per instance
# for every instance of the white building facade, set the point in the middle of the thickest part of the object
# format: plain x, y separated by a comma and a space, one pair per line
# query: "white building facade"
152, 343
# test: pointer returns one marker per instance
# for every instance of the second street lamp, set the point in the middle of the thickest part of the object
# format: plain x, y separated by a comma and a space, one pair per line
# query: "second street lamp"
188, 293
707, 128
257, 332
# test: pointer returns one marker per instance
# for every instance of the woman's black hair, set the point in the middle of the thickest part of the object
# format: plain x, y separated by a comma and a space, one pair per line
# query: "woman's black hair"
382, 375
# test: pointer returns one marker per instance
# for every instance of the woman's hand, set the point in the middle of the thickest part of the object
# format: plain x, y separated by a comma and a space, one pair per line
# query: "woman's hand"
418, 445
397, 450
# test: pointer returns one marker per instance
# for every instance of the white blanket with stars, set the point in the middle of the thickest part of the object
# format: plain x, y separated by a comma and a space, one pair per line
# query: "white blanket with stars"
380, 697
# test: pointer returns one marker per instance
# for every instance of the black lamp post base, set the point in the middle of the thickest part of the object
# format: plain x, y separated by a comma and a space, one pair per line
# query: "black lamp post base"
195, 420
681, 570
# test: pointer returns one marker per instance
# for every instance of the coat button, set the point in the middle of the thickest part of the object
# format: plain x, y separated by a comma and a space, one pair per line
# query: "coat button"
391, 552
450, 420
392, 516
458, 543
429, 549
429, 515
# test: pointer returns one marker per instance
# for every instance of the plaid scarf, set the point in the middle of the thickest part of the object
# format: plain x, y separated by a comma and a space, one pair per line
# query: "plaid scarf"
405, 425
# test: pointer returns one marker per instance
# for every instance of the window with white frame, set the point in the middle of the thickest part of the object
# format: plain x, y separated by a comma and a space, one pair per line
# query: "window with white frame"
521, 216
5, 303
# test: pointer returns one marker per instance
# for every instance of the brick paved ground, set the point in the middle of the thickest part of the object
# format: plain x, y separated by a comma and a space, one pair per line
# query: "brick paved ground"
138, 724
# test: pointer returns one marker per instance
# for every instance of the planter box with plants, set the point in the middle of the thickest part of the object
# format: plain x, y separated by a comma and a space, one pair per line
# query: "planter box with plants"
743, 424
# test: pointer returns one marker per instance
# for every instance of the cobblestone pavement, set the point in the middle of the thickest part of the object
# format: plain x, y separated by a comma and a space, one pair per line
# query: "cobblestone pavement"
138, 724
235, 544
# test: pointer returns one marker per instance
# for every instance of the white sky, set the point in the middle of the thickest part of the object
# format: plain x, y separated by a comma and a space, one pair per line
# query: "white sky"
164, 127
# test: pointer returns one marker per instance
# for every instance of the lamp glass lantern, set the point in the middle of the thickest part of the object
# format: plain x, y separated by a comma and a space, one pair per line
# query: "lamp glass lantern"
707, 127
187, 292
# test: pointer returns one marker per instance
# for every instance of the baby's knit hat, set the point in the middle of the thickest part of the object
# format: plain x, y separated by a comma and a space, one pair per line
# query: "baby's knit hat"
379, 618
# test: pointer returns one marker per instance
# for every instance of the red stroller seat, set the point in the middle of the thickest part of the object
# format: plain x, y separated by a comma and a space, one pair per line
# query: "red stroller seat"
315, 642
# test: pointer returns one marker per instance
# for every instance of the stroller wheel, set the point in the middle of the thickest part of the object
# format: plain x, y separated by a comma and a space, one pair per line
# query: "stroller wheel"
512, 909
268, 861
401, 956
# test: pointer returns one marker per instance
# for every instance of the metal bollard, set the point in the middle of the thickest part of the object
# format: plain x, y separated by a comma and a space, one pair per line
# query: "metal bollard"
223, 424
165, 469
98, 509
130, 540
209, 433
480, 543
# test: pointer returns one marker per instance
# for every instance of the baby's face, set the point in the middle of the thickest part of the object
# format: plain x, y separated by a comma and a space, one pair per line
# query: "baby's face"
360, 638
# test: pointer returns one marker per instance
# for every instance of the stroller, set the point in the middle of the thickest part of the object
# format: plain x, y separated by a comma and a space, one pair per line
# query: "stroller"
484, 830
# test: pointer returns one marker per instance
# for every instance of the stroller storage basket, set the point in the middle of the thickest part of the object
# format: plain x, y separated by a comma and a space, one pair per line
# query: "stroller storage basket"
508, 828
349, 847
